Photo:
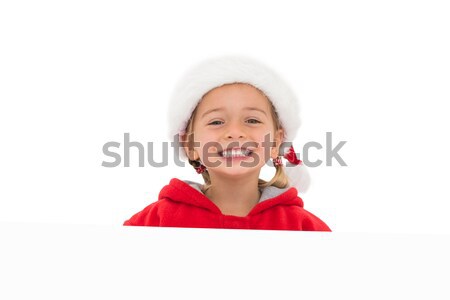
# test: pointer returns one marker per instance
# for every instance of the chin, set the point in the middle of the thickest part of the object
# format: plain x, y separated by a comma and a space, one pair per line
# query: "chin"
236, 171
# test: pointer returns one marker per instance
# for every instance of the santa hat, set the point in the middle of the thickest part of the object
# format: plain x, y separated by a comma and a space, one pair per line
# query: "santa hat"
215, 72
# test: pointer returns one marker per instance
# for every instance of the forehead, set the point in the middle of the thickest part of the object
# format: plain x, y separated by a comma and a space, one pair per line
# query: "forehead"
234, 96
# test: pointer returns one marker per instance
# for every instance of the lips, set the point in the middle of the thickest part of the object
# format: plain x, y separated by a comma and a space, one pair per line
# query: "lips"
236, 152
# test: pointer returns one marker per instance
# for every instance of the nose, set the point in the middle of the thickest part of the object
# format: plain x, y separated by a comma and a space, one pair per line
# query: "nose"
235, 131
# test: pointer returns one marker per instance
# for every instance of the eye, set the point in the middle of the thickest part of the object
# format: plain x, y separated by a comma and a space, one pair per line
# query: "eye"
253, 121
216, 123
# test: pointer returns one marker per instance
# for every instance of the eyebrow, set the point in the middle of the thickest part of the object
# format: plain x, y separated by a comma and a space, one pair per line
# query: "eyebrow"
255, 108
211, 110
221, 108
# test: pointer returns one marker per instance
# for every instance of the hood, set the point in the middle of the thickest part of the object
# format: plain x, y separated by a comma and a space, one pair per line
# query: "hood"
189, 192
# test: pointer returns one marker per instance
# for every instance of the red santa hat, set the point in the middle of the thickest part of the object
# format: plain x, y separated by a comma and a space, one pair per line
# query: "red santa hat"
215, 72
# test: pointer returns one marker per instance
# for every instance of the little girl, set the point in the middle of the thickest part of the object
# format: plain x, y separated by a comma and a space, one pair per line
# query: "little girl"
232, 116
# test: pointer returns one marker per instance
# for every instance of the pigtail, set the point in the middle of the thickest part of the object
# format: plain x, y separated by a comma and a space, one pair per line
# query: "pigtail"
279, 180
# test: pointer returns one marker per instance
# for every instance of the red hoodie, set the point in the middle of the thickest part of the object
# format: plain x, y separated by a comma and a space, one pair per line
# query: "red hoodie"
181, 204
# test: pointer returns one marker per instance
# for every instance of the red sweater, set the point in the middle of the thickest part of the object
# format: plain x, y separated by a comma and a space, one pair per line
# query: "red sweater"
181, 205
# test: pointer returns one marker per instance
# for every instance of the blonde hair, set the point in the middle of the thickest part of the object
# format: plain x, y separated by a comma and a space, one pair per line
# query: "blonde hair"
280, 178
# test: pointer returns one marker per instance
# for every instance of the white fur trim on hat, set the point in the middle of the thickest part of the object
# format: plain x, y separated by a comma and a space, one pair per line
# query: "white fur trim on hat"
298, 177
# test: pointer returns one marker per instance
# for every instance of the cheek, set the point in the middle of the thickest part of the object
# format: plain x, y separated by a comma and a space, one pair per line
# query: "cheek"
266, 139
206, 144
199, 139
265, 145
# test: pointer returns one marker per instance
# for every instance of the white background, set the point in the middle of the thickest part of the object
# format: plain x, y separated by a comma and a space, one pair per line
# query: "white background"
75, 75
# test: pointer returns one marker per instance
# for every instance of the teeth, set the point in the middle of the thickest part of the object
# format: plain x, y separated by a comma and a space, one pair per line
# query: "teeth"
236, 153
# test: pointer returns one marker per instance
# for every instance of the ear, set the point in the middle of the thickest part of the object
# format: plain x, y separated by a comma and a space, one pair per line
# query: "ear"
186, 141
278, 139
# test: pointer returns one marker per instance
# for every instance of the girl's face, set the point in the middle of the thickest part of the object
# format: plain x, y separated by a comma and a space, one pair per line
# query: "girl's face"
234, 131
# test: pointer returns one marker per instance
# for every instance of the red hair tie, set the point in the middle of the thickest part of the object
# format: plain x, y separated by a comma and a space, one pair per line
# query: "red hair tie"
291, 156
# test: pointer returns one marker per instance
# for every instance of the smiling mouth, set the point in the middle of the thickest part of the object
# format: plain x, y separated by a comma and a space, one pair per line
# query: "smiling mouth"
236, 152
